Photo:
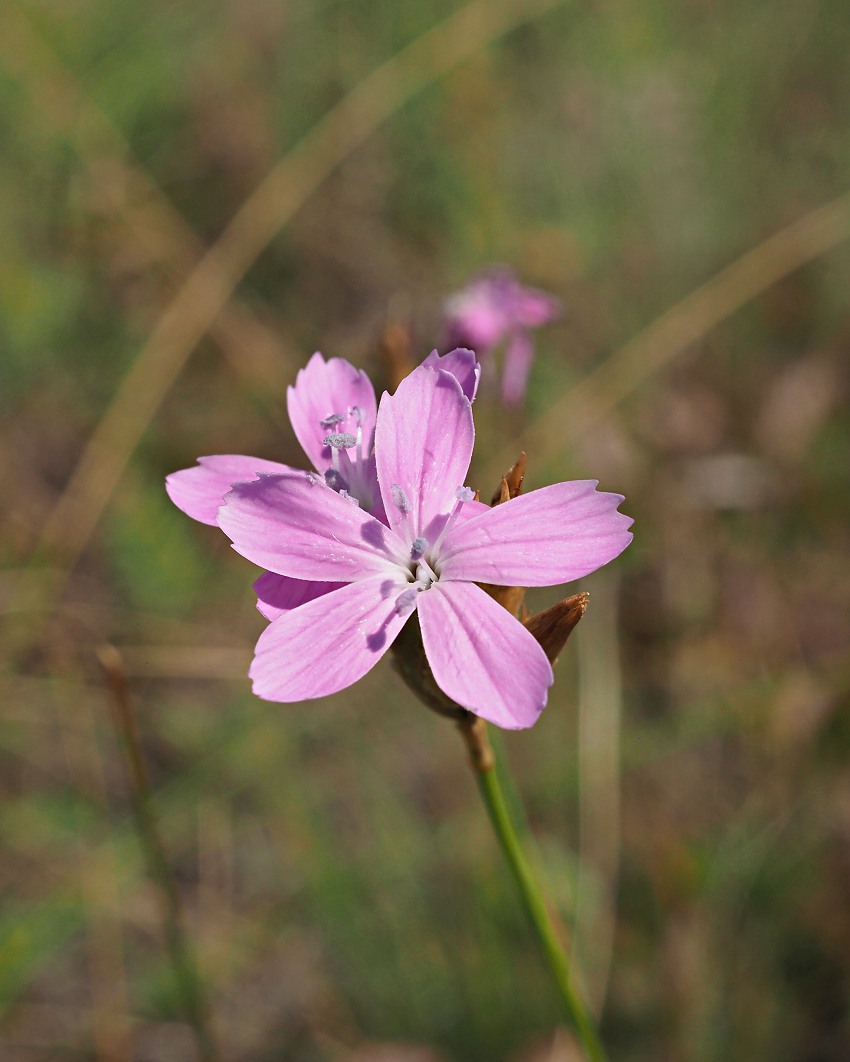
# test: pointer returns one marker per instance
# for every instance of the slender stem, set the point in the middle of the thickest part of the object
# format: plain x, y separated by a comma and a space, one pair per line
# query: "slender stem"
180, 954
484, 765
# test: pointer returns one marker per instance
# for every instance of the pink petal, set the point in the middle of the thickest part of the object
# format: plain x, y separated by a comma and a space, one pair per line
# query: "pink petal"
518, 359
323, 388
277, 594
483, 657
533, 308
423, 444
199, 491
462, 364
294, 525
470, 509
476, 316
329, 643
550, 536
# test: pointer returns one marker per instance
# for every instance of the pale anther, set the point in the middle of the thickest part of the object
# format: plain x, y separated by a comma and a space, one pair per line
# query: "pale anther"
340, 440
465, 494
348, 497
357, 414
418, 548
334, 418
400, 499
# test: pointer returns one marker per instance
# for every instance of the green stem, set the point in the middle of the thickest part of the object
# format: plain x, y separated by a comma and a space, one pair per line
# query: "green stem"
497, 809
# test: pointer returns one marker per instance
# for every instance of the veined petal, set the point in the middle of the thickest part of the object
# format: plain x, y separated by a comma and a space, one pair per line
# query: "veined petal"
199, 491
550, 536
483, 657
277, 594
324, 389
462, 364
467, 511
294, 525
329, 643
423, 444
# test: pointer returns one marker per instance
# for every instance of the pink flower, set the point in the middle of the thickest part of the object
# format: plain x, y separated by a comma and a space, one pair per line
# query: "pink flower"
435, 545
332, 409
495, 306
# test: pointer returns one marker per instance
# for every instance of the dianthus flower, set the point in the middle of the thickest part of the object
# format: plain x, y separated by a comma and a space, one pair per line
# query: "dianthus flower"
332, 409
495, 306
433, 546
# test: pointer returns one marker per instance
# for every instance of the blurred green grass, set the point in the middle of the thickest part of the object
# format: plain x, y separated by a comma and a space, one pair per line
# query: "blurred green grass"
337, 870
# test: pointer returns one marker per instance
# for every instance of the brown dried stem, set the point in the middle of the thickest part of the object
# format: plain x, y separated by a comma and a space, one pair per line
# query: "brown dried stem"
180, 952
474, 732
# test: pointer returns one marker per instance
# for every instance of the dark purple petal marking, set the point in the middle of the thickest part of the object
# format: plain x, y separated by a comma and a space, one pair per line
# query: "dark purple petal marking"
335, 480
405, 603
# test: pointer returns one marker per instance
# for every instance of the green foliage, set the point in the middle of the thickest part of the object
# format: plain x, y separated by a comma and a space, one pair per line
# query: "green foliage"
157, 561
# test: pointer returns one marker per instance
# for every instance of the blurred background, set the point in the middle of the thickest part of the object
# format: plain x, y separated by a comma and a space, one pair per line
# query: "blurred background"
687, 790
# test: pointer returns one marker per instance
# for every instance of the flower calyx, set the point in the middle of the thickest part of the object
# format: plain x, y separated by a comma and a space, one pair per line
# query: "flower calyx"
411, 663
554, 625
511, 485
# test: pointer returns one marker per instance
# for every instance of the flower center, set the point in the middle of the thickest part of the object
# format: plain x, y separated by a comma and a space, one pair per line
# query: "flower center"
423, 564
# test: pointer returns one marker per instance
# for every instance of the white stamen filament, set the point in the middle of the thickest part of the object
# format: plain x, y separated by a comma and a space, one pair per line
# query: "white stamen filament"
463, 495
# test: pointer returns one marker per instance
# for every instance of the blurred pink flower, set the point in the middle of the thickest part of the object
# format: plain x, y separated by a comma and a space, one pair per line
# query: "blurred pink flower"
332, 409
495, 306
437, 543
